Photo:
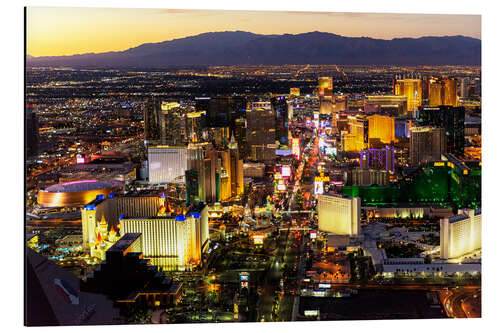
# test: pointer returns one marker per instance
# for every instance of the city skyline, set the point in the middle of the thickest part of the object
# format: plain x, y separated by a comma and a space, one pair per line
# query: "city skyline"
260, 176
65, 31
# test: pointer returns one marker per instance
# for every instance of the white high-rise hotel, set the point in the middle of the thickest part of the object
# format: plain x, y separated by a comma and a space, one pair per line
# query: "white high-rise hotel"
167, 164
339, 215
460, 234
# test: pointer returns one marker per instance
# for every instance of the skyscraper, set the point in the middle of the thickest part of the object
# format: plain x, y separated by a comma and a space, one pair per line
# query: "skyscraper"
460, 234
195, 125
390, 104
325, 92
167, 164
443, 92
110, 209
450, 92
172, 125
237, 186
339, 215
211, 174
192, 187
452, 119
32, 136
196, 168
279, 107
152, 127
426, 144
381, 127
222, 111
171, 242
357, 138
240, 135
261, 129
224, 167
412, 90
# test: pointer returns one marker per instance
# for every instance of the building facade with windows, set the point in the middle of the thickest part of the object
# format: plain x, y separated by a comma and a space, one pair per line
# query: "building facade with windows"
339, 215
460, 234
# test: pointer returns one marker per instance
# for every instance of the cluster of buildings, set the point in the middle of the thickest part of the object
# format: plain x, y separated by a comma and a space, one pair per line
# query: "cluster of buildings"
459, 235
374, 156
172, 239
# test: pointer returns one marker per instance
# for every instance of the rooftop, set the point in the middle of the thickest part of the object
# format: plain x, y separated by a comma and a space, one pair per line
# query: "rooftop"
82, 185
123, 243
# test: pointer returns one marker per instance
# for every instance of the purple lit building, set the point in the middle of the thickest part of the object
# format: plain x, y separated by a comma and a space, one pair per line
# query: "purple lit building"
379, 159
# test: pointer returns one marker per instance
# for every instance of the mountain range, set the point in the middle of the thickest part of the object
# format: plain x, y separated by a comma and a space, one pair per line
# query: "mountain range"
246, 48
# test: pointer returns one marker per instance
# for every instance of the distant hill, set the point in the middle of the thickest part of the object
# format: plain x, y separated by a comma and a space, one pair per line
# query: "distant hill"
245, 48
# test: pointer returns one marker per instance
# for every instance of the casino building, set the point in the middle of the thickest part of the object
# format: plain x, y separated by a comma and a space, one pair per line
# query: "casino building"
172, 242
460, 234
109, 209
339, 215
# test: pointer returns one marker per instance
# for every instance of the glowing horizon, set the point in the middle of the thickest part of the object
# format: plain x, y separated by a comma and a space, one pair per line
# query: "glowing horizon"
61, 31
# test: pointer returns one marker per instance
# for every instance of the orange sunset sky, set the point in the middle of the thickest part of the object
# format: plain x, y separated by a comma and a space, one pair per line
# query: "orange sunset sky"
54, 31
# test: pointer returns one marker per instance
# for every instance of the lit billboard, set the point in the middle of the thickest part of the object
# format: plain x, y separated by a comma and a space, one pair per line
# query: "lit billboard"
286, 171
318, 187
80, 159
258, 239
296, 147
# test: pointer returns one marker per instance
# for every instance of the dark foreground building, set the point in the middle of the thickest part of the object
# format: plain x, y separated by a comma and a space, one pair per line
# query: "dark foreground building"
126, 277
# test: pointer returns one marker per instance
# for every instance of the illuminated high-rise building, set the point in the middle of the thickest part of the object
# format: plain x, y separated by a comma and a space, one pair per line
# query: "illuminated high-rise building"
195, 125
211, 175
435, 92
164, 123
109, 210
196, 168
464, 87
172, 242
172, 125
460, 234
452, 119
357, 138
224, 167
261, 136
240, 135
279, 106
450, 92
389, 104
236, 167
426, 144
152, 127
167, 164
381, 127
32, 136
412, 90
339, 215
325, 92
443, 92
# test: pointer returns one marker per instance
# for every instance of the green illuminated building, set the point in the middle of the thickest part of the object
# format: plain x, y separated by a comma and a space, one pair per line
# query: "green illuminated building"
438, 184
